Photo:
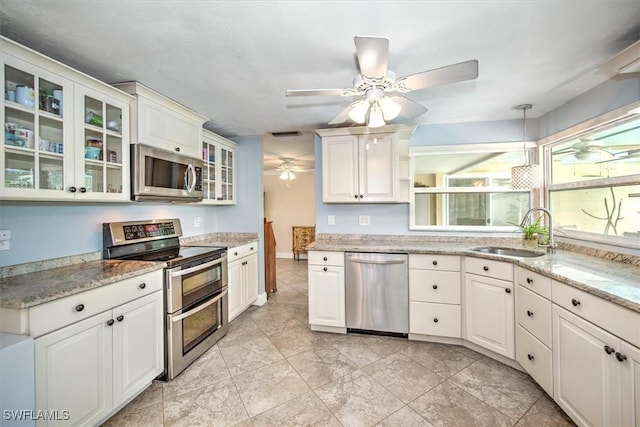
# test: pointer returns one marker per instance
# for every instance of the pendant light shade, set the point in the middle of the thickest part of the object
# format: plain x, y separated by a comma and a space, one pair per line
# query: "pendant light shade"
358, 111
390, 109
527, 176
375, 116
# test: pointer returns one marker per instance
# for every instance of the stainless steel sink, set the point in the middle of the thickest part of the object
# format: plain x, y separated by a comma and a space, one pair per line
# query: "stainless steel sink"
512, 252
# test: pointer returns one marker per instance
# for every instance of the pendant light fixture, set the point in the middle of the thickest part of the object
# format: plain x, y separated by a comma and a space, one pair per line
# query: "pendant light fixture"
374, 109
287, 174
525, 177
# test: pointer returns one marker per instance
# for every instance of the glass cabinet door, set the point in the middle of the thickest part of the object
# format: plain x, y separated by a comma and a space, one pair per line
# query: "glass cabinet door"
209, 171
101, 148
34, 162
226, 174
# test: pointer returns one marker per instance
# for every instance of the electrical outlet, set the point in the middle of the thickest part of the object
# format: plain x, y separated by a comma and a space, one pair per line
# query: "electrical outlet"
364, 219
5, 245
5, 234
197, 222
331, 220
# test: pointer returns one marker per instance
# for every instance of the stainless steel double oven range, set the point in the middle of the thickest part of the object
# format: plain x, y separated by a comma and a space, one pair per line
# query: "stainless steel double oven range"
195, 285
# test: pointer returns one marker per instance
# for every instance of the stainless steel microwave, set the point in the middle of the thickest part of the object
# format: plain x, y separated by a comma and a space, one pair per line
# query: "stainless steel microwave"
161, 175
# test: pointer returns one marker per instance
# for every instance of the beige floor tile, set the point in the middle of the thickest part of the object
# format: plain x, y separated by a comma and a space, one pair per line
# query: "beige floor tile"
545, 413
214, 405
296, 339
403, 377
405, 417
137, 417
306, 410
358, 400
322, 365
208, 369
448, 405
250, 355
443, 359
265, 388
366, 349
510, 391
241, 330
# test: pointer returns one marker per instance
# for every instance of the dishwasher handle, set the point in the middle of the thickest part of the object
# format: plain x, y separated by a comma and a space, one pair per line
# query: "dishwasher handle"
378, 262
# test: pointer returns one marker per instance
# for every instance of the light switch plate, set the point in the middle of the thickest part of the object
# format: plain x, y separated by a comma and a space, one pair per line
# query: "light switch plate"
5, 245
364, 219
331, 220
5, 234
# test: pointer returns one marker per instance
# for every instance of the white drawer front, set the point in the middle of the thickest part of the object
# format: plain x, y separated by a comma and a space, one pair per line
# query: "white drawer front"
435, 319
489, 268
536, 359
53, 315
241, 251
534, 314
434, 286
618, 320
435, 262
534, 282
326, 258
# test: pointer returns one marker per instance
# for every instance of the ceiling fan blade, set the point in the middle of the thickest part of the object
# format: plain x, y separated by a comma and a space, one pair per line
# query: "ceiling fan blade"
342, 117
450, 74
373, 54
319, 92
410, 110
569, 150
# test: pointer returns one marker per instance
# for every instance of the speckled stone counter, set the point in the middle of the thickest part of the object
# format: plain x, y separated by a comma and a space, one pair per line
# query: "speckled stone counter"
230, 240
618, 282
37, 287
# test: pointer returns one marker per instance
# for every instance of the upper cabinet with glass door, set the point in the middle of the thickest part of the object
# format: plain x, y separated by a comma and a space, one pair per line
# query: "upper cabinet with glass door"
66, 134
219, 171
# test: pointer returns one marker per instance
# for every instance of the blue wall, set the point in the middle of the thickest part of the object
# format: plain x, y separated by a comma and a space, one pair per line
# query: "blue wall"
394, 218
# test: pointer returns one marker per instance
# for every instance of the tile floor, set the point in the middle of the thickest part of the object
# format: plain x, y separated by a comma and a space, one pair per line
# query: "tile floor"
272, 370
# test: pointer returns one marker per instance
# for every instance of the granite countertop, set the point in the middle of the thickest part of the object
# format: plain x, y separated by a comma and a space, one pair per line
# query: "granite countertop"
38, 287
30, 284
595, 273
230, 240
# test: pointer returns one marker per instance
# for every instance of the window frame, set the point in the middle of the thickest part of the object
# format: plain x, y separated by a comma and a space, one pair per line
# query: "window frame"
545, 146
423, 150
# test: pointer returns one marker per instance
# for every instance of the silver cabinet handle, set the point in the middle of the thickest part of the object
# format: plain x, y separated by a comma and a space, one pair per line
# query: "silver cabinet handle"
180, 317
371, 261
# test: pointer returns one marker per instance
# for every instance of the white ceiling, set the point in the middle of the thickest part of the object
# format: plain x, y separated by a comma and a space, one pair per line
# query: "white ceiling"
233, 60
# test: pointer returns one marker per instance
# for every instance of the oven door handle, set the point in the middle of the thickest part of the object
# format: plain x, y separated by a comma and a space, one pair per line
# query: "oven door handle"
198, 267
182, 316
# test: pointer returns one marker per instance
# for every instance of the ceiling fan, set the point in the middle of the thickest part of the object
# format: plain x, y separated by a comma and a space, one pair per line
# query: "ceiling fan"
380, 89
594, 150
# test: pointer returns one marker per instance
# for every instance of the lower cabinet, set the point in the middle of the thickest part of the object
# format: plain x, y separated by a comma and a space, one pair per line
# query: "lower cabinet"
243, 278
91, 367
326, 290
489, 309
597, 375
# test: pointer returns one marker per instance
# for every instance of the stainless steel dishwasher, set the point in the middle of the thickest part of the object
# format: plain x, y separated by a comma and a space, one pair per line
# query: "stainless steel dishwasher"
377, 293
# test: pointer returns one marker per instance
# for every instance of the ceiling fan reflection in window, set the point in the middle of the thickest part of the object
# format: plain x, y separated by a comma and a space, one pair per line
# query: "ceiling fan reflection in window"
595, 151
380, 91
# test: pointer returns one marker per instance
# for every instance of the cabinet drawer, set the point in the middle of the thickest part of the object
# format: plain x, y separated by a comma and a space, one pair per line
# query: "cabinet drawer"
534, 282
435, 262
326, 258
489, 268
435, 319
536, 359
238, 252
616, 319
434, 286
53, 315
534, 314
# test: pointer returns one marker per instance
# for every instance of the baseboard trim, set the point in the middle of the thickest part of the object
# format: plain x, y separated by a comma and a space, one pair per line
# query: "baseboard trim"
261, 300
289, 255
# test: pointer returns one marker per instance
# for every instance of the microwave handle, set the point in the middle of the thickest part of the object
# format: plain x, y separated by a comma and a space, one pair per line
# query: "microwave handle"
190, 171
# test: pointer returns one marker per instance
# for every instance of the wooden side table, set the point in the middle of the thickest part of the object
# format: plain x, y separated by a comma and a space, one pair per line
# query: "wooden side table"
302, 236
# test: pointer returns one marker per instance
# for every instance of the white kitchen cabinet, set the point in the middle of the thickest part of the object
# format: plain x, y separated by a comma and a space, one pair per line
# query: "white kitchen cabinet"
327, 291
219, 171
161, 122
243, 277
51, 152
630, 375
434, 295
361, 166
489, 306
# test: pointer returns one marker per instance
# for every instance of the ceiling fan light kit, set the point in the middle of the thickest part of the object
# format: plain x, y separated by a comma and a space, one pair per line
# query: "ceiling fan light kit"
380, 90
527, 176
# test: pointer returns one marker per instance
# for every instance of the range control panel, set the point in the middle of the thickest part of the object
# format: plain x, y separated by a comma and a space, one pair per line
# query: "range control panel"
141, 231
120, 233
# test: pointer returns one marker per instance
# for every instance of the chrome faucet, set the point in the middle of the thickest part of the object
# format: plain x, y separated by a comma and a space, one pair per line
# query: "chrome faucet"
551, 245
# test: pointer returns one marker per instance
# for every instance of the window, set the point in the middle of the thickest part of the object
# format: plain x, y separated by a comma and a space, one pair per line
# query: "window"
467, 187
594, 184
